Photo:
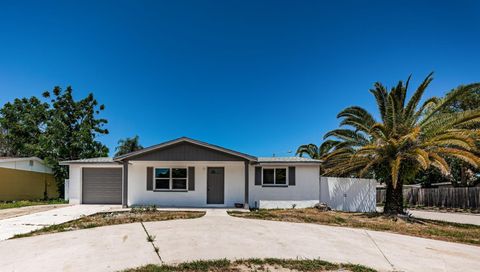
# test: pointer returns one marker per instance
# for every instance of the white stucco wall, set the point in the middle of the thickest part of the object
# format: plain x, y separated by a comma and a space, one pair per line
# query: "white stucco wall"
75, 180
349, 194
138, 194
306, 188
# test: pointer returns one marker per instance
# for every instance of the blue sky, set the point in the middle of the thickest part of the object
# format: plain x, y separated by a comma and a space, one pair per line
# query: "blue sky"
260, 77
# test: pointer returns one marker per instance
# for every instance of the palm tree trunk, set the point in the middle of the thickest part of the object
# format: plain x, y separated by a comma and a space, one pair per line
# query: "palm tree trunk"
394, 199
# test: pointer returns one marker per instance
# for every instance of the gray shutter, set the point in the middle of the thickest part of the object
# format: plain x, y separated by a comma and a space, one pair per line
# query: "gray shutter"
149, 178
258, 175
191, 178
291, 175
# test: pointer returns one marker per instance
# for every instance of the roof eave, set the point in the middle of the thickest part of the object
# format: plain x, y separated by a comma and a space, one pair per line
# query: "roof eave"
290, 162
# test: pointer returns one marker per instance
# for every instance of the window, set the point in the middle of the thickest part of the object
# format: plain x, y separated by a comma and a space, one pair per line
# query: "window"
274, 176
170, 178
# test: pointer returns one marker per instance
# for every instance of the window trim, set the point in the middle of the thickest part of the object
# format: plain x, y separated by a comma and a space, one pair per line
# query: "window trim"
170, 179
275, 176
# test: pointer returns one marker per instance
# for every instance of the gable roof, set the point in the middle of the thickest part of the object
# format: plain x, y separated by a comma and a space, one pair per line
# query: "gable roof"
186, 140
243, 156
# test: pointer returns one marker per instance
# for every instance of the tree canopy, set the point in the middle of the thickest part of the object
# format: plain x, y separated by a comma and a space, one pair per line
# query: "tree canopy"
58, 128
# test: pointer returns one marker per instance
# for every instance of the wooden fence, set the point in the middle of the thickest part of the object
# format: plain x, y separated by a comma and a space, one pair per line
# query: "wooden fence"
465, 197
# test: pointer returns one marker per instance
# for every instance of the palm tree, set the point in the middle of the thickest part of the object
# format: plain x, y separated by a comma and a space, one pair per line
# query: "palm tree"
128, 145
408, 138
317, 152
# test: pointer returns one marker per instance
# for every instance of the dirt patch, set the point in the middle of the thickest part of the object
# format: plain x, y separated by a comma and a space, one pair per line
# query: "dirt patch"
452, 232
115, 218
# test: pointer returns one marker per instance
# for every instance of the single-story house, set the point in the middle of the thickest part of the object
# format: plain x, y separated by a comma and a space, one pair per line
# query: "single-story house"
26, 179
189, 173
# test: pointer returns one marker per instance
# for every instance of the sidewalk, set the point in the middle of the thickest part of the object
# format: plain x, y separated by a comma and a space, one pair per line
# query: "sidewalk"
462, 218
27, 223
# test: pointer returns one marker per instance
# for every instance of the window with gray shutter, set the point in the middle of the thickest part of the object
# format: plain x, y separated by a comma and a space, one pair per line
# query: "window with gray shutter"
191, 178
258, 175
291, 175
149, 178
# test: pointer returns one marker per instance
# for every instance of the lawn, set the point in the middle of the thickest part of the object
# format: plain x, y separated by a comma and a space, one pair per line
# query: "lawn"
254, 265
115, 218
25, 203
452, 232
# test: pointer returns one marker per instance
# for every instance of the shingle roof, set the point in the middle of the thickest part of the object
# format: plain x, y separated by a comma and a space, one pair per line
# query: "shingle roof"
286, 160
89, 160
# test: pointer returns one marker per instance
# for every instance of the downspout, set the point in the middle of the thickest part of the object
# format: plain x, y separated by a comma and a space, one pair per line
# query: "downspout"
319, 184
125, 185
246, 200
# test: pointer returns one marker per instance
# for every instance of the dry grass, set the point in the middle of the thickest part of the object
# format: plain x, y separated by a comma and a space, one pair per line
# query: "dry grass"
250, 265
452, 232
114, 218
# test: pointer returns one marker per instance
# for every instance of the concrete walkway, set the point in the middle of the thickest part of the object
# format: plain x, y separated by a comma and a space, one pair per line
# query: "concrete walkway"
463, 218
218, 235
29, 222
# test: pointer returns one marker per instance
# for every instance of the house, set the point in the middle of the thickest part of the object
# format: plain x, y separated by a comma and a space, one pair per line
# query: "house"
189, 173
26, 179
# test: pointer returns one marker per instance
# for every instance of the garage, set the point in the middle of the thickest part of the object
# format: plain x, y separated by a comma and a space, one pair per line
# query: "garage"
102, 186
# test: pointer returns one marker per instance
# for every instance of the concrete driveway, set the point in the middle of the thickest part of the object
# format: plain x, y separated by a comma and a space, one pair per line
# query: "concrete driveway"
29, 222
218, 235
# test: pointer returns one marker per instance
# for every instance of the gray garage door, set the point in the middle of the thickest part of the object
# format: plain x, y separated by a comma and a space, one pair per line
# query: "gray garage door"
102, 186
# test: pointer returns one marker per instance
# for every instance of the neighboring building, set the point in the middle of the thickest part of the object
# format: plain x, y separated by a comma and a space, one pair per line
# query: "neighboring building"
190, 173
26, 179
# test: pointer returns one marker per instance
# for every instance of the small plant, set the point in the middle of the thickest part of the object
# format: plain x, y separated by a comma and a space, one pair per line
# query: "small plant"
294, 205
151, 238
144, 209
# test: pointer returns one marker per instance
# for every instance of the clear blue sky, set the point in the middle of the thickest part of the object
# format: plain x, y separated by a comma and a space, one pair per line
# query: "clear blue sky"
260, 77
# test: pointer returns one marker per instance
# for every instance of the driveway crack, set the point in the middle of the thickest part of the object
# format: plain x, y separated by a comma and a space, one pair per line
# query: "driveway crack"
379, 249
151, 240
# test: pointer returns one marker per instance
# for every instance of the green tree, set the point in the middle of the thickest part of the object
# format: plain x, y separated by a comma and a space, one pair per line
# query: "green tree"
72, 130
61, 128
409, 137
462, 174
22, 122
128, 145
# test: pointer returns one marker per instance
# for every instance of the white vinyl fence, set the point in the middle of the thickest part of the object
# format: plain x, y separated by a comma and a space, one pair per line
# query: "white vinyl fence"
348, 194
341, 194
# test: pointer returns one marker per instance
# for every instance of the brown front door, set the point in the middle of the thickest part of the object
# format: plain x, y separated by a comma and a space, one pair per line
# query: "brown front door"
215, 185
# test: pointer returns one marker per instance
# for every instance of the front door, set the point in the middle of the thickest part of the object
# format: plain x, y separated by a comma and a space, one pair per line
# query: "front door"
215, 185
